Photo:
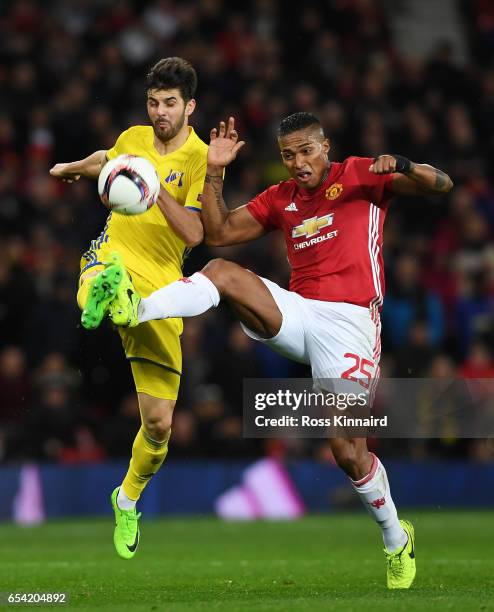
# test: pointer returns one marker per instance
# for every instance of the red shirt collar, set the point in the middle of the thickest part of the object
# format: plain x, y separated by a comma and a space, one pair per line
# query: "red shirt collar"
307, 194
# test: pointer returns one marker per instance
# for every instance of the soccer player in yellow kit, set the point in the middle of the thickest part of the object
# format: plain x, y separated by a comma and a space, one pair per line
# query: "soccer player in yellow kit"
152, 247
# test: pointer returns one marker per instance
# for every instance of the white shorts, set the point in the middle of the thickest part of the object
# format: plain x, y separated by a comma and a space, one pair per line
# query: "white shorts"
338, 340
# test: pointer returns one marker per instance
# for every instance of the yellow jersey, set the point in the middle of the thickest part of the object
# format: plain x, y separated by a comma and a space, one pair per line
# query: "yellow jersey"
147, 243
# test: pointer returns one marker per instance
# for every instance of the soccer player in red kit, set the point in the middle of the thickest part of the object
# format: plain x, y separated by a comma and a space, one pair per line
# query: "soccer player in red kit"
331, 215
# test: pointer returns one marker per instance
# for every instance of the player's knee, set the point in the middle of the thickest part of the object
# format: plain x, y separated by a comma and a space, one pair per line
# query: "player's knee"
156, 416
221, 273
158, 427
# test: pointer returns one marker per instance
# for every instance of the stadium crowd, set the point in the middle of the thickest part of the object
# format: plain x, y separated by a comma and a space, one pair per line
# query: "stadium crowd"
72, 78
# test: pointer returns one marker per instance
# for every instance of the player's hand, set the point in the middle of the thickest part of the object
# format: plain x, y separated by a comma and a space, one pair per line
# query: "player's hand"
387, 164
384, 164
224, 144
64, 172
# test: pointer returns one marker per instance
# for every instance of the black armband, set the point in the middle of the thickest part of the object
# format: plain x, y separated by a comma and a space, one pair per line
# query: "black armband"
403, 164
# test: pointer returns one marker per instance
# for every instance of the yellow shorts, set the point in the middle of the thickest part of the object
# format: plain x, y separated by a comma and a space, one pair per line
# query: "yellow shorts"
153, 348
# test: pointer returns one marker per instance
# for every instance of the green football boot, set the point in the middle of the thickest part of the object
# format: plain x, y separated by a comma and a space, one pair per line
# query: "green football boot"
102, 290
123, 308
401, 563
126, 534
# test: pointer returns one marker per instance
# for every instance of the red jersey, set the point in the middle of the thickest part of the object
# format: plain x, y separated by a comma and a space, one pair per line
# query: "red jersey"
333, 235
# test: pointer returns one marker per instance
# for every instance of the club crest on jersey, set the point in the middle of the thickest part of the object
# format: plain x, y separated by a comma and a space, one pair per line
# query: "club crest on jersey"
311, 227
175, 177
334, 191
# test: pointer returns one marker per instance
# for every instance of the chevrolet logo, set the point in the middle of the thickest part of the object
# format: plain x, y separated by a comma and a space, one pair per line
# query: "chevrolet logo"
311, 227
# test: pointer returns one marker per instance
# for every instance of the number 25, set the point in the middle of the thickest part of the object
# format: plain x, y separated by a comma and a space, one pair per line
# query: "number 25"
360, 366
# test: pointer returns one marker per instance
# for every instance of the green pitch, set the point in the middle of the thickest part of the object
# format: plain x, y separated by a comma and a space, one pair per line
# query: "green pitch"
329, 562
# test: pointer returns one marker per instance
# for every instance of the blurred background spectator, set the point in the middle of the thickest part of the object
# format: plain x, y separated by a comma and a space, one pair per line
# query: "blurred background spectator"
72, 78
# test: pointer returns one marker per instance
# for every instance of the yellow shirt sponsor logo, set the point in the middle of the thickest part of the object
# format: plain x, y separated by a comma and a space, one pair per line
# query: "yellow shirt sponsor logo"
175, 177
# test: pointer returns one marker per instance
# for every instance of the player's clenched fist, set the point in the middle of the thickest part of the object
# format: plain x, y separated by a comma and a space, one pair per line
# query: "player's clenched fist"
386, 164
64, 172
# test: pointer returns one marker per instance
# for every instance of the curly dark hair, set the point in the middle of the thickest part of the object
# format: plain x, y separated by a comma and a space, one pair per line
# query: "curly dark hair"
171, 73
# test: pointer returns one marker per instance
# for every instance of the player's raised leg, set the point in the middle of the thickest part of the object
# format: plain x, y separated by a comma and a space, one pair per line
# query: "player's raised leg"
220, 279
369, 479
148, 453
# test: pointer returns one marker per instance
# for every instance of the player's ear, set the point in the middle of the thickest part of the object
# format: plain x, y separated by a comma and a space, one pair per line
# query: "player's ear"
326, 145
190, 107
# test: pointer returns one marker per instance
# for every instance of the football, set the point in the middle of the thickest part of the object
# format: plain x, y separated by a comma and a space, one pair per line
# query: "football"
128, 185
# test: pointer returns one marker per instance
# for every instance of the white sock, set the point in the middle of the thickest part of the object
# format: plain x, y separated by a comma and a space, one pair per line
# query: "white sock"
124, 502
187, 297
374, 492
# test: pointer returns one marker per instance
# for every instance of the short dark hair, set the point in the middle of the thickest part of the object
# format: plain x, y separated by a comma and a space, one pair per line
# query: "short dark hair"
171, 73
297, 121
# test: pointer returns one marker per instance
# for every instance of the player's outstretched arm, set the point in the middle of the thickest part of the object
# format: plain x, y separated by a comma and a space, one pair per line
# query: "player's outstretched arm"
90, 167
223, 227
410, 178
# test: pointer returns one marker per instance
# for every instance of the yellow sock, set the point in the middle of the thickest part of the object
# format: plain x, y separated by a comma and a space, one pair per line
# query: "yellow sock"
85, 284
82, 293
147, 457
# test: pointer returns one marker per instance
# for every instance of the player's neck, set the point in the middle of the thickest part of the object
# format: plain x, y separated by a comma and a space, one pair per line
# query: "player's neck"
169, 146
326, 174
